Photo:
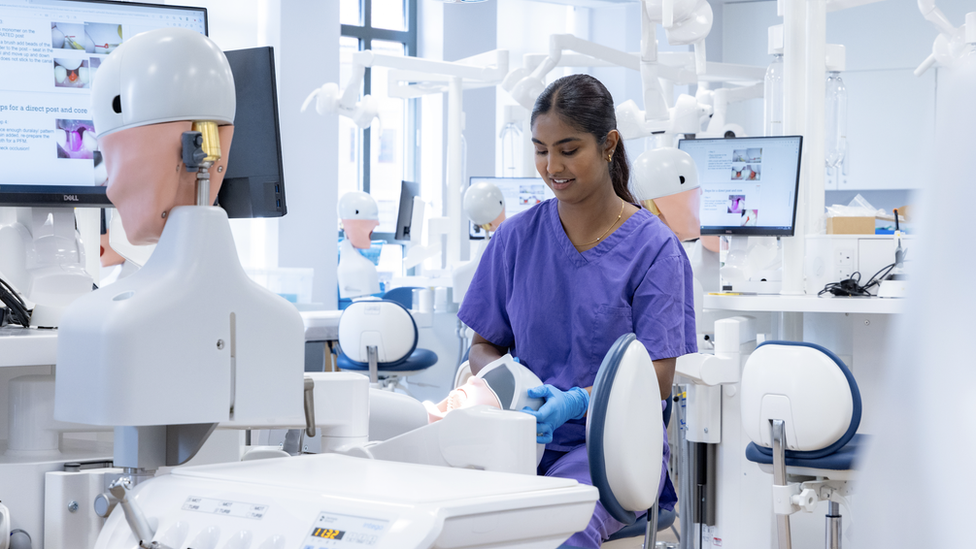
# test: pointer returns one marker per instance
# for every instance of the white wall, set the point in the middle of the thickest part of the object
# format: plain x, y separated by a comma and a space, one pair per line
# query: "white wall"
305, 35
890, 110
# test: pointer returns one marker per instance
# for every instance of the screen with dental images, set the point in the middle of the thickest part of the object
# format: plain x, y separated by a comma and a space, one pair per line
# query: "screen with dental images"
749, 184
50, 51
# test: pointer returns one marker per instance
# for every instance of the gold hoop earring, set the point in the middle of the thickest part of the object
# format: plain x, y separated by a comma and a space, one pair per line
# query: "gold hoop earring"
609, 158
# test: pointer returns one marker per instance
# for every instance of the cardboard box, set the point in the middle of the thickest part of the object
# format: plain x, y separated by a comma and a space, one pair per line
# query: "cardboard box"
850, 225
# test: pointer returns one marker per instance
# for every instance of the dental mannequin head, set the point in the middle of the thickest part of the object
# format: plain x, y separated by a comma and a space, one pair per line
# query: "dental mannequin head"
501, 384
485, 205
359, 215
145, 95
666, 182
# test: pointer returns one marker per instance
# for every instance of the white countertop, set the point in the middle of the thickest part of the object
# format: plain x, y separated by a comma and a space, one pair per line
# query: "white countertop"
804, 304
27, 347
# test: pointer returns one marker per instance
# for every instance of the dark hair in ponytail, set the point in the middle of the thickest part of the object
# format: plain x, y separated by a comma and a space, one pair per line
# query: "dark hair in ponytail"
584, 103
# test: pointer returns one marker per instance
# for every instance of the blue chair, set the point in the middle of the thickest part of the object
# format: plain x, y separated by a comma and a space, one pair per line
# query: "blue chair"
379, 337
801, 407
625, 455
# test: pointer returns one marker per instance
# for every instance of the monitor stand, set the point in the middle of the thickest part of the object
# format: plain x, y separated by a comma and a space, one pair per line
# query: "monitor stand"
752, 265
42, 256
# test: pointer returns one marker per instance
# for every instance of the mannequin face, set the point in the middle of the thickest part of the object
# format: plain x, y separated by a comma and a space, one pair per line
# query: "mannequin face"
680, 212
147, 177
107, 255
358, 231
474, 392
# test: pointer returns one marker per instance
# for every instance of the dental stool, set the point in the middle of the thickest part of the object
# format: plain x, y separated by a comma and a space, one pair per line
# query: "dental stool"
801, 407
624, 454
379, 337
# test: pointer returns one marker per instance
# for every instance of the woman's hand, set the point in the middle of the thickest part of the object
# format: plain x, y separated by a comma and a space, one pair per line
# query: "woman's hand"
560, 407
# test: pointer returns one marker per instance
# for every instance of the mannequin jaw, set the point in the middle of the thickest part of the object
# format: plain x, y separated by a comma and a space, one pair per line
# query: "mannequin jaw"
680, 212
147, 177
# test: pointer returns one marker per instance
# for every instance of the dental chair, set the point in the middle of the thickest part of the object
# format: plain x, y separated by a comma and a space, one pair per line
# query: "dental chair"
624, 454
801, 407
379, 337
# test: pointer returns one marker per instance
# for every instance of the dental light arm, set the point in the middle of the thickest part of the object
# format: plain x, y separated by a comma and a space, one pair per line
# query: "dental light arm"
951, 43
329, 100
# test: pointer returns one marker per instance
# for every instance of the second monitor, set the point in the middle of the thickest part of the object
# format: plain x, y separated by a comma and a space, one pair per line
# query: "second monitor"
749, 184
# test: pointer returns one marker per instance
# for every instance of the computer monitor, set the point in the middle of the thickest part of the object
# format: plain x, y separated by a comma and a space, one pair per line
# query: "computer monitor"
521, 193
254, 184
50, 52
405, 229
749, 184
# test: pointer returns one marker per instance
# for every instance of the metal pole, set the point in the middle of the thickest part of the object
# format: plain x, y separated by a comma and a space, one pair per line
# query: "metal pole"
778, 428
833, 525
686, 484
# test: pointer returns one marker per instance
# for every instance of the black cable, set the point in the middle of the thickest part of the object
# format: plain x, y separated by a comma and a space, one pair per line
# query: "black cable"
17, 311
851, 286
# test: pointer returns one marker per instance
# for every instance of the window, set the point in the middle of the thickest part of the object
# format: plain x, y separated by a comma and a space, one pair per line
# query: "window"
375, 160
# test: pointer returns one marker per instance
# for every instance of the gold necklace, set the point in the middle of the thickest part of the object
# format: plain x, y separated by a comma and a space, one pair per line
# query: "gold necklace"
619, 215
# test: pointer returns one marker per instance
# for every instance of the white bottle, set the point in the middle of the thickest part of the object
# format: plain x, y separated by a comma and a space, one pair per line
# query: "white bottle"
835, 108
773, 85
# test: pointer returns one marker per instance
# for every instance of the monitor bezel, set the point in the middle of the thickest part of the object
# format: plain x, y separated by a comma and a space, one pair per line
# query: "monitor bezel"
77, 196
710, 230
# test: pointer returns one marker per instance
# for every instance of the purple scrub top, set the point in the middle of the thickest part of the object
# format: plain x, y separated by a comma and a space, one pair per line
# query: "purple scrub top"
560, 310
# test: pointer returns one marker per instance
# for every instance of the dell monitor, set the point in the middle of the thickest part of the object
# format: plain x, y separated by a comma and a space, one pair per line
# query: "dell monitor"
749, 184
51, 51
521, 193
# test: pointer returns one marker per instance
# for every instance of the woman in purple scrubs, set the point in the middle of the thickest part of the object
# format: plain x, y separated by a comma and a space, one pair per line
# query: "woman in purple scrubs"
560, 282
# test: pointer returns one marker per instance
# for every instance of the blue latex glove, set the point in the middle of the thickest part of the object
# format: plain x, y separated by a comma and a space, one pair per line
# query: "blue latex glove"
560, 407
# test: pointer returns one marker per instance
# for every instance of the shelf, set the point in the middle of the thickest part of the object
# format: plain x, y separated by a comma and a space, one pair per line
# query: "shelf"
27, 347
804, 304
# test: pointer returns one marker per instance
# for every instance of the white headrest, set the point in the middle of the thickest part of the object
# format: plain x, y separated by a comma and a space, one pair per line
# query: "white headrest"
383, 324
800, 385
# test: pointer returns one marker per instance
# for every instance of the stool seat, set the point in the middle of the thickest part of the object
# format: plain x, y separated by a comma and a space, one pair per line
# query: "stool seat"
419, 359
841, 460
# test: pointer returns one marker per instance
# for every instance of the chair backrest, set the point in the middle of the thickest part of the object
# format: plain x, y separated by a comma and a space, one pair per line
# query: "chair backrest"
386, 325
809, 388
402, 295
624, 431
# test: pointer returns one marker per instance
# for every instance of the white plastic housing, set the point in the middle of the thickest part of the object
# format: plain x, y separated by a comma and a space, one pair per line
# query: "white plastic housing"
836, 60
163, 75
407, 506
381, 324
800, 385
189, 338
356, 275
479, 437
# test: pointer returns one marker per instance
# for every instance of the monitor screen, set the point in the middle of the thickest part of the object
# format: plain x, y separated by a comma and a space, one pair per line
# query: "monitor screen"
521, 193
49, 52
749, 184
254, 184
